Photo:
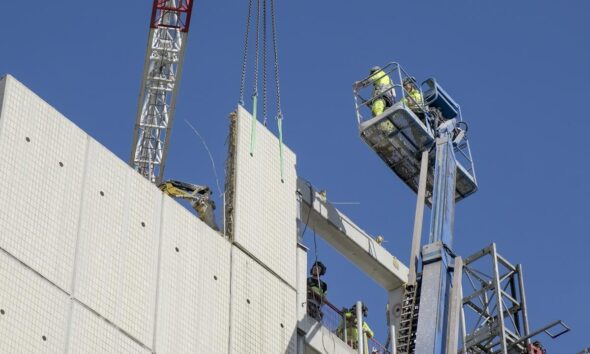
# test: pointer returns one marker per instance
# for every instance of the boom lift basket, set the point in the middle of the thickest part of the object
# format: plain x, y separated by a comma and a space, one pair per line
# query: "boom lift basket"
399, 136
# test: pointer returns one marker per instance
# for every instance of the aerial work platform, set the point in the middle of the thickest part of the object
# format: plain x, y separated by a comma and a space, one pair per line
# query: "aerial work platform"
399, 135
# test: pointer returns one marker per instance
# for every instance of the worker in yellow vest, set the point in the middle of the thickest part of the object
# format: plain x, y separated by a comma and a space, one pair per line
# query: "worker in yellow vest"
413, 96
350, 322
383, 92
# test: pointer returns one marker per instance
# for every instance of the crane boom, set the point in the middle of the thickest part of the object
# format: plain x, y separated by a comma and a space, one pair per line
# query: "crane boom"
169, 25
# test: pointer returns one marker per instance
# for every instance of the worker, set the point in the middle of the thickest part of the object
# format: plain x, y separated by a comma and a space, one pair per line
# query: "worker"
350, 323
383, 92
317, 289
413, 97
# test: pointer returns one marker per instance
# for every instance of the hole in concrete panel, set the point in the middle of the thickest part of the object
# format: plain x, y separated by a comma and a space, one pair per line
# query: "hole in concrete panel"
28, 139
282, 180
215, 277
61, 164
248, 301
176, 248
44, 338
101, 193
142, 224
2, 311
282, 325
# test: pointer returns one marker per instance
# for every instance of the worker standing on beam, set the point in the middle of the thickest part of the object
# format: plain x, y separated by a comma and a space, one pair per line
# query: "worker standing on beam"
383, 92
317, 289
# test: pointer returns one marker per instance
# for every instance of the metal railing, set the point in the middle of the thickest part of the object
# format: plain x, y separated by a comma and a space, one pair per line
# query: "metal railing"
364, 98
334, 319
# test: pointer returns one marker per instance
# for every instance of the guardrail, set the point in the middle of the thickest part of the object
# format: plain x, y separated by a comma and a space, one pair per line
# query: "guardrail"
335, 321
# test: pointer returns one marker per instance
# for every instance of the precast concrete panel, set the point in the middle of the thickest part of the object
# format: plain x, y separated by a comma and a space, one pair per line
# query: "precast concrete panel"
193, 291
118, 245
2, 85
263, 309
93, 334
41, 169
33, 312
265, 214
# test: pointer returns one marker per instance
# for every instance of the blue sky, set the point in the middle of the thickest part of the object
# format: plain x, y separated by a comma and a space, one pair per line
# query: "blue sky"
519, 70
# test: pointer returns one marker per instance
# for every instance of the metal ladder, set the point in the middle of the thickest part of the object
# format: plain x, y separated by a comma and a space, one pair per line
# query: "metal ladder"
406, 339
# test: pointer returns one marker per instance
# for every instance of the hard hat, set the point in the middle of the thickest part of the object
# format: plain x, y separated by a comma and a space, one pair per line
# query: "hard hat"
365, 309
319, 264
410, 80
374, 69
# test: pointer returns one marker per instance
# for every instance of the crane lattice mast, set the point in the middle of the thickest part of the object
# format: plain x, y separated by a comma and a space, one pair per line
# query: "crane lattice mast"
169, 26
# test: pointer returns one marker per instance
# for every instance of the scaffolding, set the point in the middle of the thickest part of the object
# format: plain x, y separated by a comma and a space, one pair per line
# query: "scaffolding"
495, 318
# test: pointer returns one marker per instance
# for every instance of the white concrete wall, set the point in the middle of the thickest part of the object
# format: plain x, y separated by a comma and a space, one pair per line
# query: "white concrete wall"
193, 296
88, 248
265, 216
40, 199
263, 316
33, 313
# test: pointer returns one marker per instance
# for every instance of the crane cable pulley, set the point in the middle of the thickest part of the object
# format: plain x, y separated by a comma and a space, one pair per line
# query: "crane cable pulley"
261, 6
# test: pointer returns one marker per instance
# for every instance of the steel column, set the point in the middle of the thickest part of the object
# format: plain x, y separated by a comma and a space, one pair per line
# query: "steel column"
418, 218
500, 305
360, 339
455, 306
525, 318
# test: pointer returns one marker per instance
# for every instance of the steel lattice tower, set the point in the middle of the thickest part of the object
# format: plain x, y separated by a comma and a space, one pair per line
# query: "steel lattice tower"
169, 27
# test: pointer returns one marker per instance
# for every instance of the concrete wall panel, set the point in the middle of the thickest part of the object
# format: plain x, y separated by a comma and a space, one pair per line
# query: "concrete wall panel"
119, 239
92, 334
265, 206
33, 313
41, 169
263, 309
193, 294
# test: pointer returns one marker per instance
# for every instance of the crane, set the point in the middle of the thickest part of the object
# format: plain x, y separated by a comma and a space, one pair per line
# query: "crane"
169, 26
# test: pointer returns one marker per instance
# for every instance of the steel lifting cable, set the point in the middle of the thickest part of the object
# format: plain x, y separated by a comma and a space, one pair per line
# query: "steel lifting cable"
255, 88
245, 56
264, 55
278, 86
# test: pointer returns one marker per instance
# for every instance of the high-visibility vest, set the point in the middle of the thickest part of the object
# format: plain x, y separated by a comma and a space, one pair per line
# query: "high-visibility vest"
416, 98
317, 287
381, 83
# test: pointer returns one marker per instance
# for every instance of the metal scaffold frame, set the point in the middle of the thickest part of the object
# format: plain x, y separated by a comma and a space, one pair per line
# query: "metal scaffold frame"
494, 306
169, 25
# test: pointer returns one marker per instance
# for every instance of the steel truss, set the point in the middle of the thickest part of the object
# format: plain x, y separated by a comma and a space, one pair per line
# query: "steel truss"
494, 306
169, 27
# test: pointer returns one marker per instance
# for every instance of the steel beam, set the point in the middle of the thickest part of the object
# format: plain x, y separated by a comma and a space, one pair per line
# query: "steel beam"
349, 239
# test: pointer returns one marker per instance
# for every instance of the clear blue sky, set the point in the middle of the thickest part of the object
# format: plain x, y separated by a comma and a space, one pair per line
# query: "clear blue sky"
519, 70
